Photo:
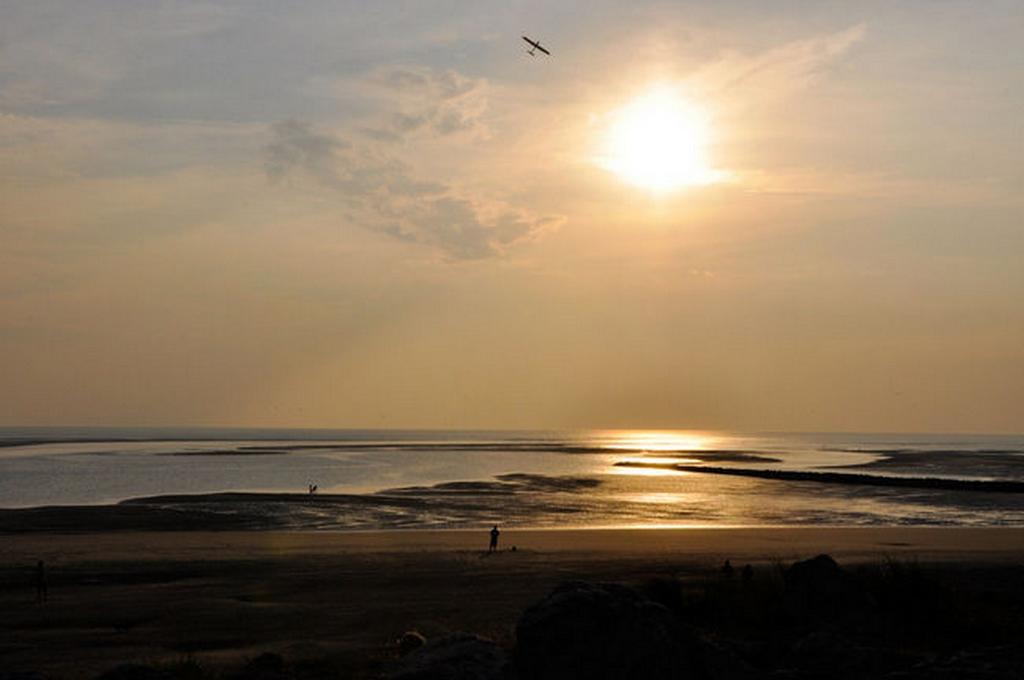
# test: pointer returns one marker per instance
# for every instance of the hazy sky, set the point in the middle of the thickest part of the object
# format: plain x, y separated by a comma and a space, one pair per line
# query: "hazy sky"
387, 214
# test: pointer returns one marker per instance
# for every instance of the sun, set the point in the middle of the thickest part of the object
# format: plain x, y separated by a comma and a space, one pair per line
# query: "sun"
659, 142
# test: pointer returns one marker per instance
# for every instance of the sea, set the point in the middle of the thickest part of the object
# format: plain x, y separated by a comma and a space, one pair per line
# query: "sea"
404, 479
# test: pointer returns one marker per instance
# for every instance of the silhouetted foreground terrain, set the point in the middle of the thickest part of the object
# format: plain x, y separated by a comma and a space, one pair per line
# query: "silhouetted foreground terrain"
285, 610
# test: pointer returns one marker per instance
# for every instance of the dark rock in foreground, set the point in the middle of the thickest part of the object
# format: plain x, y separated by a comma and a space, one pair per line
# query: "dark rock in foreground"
132, 671
996, 663
603, 631
819, 588
455, 657
267, 666
410, 641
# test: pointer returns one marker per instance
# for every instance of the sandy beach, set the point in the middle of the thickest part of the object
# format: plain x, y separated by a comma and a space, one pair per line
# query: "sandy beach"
754, 543
219, 598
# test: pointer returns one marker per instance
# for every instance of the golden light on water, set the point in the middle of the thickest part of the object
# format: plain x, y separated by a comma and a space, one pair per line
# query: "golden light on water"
655, 498
658, 442
659, 142
661, 440
638, 471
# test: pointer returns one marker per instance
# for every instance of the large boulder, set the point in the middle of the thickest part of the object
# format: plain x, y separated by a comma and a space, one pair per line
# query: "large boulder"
602, 631
819, 588
455, 657
410, 641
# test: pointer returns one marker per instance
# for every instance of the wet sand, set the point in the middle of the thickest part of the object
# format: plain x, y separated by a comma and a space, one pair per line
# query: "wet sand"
221, 597
753, 543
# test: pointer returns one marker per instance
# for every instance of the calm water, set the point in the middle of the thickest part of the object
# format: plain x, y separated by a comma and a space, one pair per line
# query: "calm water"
538, 479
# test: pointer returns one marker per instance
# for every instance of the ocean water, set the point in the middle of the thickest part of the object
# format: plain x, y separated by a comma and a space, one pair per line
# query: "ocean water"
434, 479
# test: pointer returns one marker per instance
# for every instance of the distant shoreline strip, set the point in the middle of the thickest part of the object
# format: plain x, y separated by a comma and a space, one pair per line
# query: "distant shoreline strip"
853, 479
254, 447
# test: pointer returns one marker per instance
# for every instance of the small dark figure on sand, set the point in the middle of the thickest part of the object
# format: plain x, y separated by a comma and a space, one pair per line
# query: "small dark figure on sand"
494, 538
40, 582
727, 570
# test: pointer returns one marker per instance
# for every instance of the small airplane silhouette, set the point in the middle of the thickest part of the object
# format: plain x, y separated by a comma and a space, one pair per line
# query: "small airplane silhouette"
535, 45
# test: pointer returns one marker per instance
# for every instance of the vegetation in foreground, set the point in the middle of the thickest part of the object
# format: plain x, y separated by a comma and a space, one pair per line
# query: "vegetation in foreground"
810, 619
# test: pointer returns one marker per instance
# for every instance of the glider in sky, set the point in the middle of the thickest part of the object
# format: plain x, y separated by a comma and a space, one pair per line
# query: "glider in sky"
535, 45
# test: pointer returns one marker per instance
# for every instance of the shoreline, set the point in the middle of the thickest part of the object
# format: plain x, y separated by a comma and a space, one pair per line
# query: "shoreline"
393, 511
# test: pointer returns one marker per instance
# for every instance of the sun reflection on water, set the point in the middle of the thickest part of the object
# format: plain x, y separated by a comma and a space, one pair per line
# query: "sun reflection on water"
656, 497
651, 471
661, 440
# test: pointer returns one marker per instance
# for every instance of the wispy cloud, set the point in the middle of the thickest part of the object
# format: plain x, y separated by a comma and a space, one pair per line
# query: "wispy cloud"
426, 102
55, 59
295, 144
388, 198
778, 72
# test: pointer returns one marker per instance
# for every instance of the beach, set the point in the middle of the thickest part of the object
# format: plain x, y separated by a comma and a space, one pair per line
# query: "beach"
195, 554
220, 598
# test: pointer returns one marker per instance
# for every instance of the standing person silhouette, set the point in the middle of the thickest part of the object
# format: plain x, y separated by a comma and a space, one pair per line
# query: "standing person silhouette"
494, 538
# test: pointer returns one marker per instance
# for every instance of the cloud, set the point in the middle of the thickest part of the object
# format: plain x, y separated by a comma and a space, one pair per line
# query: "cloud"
387, 198
295, 144
779, 72
56, 60
427, 102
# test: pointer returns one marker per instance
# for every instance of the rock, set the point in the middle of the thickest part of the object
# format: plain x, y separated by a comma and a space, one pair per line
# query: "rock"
818, 573
666, 592
826, 653
824, 644
455, 657
410, 641
819, 588
994, 663
822, 651
723, 663
266, 666
134, 671
603, 631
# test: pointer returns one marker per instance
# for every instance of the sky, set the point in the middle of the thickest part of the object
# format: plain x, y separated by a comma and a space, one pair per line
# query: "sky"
384, 215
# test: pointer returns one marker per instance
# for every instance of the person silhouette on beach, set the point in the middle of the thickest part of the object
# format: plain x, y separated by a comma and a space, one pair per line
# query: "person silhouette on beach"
494, 538
41, 595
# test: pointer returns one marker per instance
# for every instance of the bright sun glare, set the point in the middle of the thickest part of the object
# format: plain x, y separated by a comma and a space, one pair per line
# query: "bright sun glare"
659, 142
